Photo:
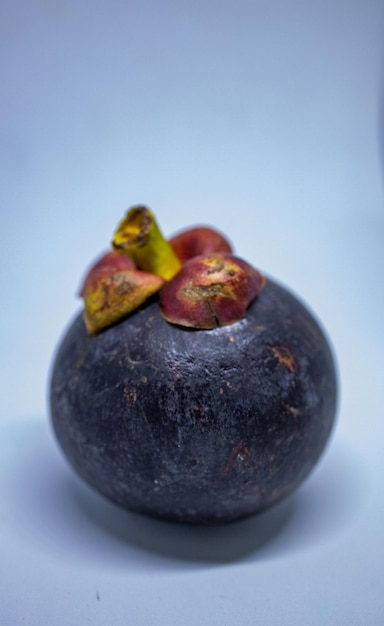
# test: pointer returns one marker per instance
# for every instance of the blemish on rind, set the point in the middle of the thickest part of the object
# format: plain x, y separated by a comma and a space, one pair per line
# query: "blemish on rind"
284, 357
130, 394
240, 455
291, 409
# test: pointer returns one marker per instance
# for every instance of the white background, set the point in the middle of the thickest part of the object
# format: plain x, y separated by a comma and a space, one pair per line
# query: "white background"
264, 119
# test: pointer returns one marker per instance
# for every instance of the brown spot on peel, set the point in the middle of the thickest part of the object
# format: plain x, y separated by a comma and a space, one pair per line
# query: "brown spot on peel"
240, 455
115, 261
210, 291
284, 357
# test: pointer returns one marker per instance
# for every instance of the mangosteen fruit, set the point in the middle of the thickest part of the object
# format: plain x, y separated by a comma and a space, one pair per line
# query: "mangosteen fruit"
191, 387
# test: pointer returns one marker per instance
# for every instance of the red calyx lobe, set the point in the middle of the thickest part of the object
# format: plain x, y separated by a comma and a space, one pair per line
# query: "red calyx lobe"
210, 291
198, 241
213, 287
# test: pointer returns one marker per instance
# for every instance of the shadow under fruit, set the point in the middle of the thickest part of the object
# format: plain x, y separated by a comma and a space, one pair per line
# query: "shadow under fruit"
190, 424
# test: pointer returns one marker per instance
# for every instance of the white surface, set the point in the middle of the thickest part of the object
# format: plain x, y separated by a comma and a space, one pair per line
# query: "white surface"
263, 119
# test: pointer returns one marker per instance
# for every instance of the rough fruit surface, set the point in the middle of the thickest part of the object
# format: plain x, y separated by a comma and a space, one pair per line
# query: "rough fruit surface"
193, 425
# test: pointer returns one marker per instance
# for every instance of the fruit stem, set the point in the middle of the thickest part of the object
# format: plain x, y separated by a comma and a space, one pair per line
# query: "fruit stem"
139, 237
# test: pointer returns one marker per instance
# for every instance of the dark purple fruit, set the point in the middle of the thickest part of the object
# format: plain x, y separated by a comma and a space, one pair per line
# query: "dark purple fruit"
199, 426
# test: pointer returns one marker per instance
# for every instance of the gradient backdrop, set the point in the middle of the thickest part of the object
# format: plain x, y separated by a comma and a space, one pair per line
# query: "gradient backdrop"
263, 118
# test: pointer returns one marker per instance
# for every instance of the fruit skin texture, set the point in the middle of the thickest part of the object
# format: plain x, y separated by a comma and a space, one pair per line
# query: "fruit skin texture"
197, 426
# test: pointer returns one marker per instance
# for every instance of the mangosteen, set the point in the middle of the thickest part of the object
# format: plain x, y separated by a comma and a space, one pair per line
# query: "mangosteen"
191, 387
